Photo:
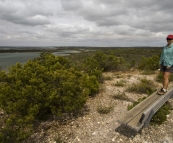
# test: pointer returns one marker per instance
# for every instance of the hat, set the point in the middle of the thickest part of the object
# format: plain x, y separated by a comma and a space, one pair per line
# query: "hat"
170, 36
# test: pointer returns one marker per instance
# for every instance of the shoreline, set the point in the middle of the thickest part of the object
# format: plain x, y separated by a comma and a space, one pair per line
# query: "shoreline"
59, 49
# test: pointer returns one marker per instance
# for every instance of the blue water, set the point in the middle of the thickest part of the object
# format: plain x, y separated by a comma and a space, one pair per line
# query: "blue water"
8, 59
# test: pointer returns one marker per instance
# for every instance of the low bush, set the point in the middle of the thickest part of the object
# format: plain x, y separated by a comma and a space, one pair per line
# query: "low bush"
149, 63
120, 83
45, 86
121, 96
101, 62
161, 115
144, 86
104, 109
92, 67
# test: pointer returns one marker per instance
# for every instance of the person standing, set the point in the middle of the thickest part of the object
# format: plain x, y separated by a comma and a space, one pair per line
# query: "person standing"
166, 64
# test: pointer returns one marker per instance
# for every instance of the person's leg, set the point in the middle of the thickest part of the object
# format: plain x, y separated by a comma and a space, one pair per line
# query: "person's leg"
165, 83
166, 76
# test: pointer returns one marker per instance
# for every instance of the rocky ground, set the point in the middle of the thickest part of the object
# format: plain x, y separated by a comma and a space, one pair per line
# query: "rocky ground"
92, 127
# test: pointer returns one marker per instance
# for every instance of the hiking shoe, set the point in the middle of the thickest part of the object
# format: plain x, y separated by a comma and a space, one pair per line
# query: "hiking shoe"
161, 92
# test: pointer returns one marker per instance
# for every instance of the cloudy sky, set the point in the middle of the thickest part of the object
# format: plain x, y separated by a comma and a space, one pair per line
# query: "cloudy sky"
85, 22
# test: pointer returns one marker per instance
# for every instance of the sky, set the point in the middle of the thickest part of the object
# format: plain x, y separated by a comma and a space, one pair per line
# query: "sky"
105, 23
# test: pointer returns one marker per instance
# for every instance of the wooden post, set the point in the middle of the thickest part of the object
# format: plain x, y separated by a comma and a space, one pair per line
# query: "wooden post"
149, 118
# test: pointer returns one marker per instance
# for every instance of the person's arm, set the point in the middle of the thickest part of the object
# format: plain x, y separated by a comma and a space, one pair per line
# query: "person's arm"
170, 58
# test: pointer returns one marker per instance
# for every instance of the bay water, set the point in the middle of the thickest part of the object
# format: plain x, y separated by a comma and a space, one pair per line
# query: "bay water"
8, 59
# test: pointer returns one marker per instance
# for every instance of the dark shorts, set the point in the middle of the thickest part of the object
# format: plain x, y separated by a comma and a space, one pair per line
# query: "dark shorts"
163, 69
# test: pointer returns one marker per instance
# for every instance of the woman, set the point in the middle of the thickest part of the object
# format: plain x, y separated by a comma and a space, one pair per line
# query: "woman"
166, 64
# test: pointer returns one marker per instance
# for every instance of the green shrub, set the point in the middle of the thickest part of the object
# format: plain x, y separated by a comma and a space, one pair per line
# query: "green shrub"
144, 86
107, 62
104, 109
92, 67
121, 95
45, 86
149, 63
161, 115
101, 58
120, 83
100, 62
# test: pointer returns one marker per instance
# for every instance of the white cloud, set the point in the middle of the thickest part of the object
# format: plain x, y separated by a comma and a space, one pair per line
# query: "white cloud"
90, 23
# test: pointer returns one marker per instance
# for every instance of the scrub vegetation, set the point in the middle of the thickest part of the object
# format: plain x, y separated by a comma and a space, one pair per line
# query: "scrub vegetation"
53, 85
144, 86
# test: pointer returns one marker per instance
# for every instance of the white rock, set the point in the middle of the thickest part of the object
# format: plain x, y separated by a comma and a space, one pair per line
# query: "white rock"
77, 138
113, 139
